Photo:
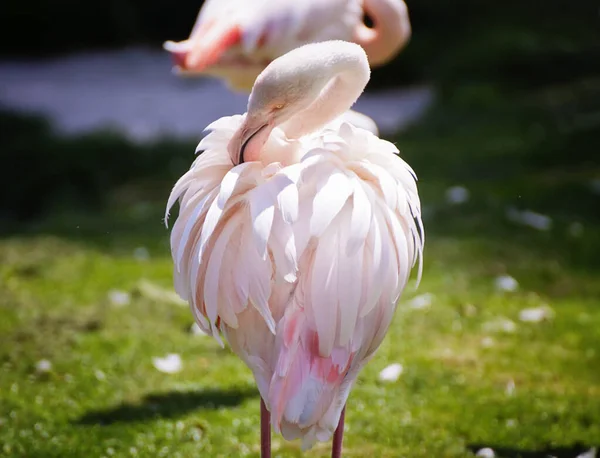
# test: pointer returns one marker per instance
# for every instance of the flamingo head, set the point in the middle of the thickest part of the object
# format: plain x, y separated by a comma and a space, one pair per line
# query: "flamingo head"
281, 91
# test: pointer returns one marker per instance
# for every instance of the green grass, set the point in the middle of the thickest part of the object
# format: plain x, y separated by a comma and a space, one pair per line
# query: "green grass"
103, 397
515, 124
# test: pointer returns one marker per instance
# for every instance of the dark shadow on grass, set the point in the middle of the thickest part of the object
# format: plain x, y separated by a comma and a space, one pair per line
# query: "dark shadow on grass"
167, 405
572, 451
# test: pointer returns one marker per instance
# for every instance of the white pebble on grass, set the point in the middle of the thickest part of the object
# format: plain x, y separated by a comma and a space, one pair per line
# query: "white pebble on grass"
422, 301
510, 388
536, 314
101, 376
457, 195
529, 218
486, 453
391, 373
43, 366
170, 364
196, 330
536, 220
506, 283
157, 293
141, 254
500, 324
119, 298
470, 310
487, 342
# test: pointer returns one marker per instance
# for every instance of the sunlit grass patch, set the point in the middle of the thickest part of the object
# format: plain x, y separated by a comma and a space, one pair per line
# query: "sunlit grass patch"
86, 303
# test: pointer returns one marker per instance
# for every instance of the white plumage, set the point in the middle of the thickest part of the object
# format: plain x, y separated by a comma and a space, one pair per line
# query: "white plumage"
236, 39
298, 258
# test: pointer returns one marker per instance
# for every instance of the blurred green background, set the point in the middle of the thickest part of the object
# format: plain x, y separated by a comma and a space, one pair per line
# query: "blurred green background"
477, 54
524, 42
516, 124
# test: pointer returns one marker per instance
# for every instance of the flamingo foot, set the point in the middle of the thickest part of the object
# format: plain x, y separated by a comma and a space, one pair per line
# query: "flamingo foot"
338, 437
265, 431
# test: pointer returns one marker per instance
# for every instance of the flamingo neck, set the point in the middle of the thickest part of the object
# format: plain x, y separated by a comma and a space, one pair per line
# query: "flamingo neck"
300, 92
345, 82
390, 33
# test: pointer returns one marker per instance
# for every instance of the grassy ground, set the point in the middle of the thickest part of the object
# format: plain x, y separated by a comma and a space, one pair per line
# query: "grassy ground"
103, 397
471, 378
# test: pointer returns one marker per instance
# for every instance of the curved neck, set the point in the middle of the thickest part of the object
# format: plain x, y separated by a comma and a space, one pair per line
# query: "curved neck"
300, 92
346, 78
390, 33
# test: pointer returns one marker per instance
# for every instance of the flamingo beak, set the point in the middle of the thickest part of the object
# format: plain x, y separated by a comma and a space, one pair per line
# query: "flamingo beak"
246, 144
179, 52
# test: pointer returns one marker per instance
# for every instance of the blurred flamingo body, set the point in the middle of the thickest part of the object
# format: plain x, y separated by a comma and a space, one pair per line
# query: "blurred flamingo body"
236, 39
296, 235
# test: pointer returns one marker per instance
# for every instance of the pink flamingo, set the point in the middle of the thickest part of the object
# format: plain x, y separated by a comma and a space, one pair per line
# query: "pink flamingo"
236, 39
296, 235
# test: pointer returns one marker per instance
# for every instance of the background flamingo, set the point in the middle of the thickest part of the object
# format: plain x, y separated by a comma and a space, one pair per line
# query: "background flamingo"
296, 236
236, 39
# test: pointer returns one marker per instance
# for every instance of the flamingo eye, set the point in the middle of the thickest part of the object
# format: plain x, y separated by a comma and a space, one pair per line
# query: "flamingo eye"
279, 106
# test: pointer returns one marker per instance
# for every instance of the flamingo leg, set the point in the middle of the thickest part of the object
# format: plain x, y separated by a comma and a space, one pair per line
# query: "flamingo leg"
338, 437
265, 431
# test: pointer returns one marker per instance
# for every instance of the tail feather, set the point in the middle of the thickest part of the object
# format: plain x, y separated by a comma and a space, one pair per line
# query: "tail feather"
205, 46
209, 45
307, 391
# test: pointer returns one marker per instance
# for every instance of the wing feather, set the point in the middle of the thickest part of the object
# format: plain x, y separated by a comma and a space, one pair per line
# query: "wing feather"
262, 211
300, 266
213, 282
360, 221
328, 201
324, 294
